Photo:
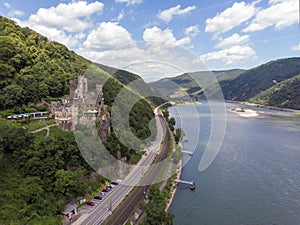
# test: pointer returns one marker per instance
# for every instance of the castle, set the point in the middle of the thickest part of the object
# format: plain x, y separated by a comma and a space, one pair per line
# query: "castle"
83, 107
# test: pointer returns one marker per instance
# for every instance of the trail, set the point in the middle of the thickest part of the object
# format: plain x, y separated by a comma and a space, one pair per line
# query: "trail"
44, 128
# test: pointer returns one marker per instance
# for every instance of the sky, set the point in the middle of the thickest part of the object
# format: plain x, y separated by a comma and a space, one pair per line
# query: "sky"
156, 38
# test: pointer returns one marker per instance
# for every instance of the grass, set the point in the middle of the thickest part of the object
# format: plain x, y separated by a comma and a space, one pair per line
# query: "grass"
32, 125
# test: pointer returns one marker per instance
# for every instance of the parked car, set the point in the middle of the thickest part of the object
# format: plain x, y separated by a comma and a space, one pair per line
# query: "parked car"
90, 203
102, 193
105, 190
112, 186
98, 197
108, 188
114, 183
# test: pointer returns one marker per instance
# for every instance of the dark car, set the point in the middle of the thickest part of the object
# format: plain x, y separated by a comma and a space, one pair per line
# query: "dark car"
98, 197
114, 183
90, 203
105, 190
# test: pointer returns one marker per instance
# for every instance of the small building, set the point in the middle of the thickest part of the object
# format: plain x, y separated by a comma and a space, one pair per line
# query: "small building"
70, 208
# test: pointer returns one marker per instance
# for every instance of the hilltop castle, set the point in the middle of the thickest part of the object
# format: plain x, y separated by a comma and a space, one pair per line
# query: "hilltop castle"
83, 107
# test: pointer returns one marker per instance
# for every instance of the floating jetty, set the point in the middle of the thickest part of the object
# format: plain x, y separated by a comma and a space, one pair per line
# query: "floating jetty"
190, 153
191, 183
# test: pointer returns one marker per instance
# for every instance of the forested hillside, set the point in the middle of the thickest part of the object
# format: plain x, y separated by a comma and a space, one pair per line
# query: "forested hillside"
32, 67
254, 81
271, 84
39, 173
285, 94
190, 83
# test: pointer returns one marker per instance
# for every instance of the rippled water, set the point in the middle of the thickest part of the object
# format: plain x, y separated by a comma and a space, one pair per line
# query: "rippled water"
255, 178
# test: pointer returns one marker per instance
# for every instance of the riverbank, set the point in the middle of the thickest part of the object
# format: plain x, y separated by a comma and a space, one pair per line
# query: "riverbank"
178, 174
186, 103
257, 105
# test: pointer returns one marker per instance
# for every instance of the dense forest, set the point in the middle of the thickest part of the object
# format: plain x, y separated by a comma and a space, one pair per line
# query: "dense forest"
285, 94
254, 81
189, 84
40, 173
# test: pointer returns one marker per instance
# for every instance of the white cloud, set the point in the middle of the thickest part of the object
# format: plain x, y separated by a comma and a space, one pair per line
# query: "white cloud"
192, 31
138, 57
14, 13
71, 17
7, 5
160, 47
296, 47
234, 39
231, 17
166, 36
119, 17
130, 2
54, 34
64, 23
167, 15
280, 14
107, 36
233, 55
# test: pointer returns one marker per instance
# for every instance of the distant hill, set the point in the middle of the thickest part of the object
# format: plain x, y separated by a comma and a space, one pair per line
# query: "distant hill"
274, 83
126, 77
285, 94
256, 80
188, 83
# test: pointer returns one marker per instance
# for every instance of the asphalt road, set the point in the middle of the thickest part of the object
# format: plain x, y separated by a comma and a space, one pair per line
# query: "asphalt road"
94, 215
120, 216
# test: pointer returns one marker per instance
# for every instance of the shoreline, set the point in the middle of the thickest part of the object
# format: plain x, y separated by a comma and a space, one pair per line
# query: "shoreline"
178, 174
257, 105
186, 103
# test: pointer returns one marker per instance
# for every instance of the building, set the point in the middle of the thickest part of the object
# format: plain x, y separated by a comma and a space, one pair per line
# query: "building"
83, 107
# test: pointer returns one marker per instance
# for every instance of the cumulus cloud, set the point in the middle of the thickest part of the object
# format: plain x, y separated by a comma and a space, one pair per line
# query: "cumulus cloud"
233, 55
233, 50
168, 14
234, 39
230, 18
152, 62
17, 13
107, 36
129, 2
155, 34
296, 47
159, 48
7, 5
192, 31
54, 34
64, 23
280, 14
71, 17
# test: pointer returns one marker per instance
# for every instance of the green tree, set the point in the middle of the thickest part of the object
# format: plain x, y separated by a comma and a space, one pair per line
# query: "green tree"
65, 182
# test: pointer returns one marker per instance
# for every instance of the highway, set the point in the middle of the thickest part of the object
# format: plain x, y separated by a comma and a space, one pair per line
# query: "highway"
137, 196
143, 173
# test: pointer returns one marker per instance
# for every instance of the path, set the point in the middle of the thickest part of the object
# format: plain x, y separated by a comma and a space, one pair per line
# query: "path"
44, 128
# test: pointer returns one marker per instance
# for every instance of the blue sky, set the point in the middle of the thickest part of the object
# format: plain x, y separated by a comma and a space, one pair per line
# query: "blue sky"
165, 38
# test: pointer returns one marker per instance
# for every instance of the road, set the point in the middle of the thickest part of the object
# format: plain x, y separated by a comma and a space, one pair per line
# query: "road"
137, 196
103, 208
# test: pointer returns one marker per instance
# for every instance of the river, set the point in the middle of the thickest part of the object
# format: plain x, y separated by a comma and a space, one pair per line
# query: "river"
255, 178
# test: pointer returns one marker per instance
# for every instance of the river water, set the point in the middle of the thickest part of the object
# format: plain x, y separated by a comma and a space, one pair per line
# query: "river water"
255, 178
